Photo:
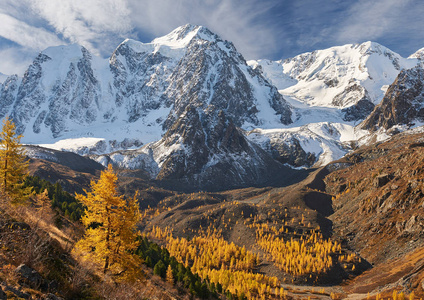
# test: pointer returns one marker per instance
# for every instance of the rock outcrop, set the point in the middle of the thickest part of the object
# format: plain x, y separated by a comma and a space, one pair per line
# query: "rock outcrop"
403, 103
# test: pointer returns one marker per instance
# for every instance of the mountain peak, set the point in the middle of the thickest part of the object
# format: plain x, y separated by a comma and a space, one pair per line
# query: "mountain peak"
369, 47
174, 43
71, 51
181, 36
419, 54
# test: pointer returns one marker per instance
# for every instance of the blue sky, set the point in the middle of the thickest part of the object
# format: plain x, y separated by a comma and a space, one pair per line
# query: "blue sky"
272, 29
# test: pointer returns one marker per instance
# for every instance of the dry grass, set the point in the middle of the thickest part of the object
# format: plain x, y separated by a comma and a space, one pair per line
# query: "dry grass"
392, 271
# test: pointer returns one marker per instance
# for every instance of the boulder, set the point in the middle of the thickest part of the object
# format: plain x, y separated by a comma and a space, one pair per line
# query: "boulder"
381, 180
29, 276
400, 226
51, 296
17, 292
414, 225
20, 226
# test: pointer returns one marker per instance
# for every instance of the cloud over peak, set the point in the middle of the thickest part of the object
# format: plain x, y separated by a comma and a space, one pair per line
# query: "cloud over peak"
259, 29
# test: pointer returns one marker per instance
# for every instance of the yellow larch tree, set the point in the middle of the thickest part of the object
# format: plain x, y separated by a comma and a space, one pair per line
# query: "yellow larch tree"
169, 275
13, 163
111, 235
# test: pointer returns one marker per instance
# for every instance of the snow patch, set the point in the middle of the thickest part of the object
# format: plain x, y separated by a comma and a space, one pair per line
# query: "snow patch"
79, 145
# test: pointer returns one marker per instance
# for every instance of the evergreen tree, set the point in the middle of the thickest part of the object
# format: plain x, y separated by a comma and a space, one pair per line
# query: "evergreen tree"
13, 164
148, 262
113, 239
160, 269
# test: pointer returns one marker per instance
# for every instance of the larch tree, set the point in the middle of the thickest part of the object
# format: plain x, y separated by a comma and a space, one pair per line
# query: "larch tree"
169, 275
13, 164
111, 235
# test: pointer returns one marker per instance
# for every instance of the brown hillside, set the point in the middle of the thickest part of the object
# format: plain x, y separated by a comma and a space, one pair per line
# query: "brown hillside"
378, 203
371, 202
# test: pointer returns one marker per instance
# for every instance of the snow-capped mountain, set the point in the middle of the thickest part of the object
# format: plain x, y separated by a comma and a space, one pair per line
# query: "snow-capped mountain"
141, 95
187, 107
419, 54
140, 91
331, 91
339, 77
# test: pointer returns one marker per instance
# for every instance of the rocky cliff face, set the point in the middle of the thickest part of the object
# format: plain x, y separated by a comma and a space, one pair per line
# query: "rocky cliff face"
141, 90
403, 103
8, 91
203, 151
215, 77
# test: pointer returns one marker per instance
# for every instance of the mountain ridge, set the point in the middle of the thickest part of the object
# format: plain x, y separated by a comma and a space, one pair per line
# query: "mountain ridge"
137, 84
72, 100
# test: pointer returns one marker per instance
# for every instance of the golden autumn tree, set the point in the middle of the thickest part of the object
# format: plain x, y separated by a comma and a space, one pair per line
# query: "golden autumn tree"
13, 163
169, 275
111, 237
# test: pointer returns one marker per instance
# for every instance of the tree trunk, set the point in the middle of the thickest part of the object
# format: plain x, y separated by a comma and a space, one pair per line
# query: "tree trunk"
5, 170
107, 241
106, 265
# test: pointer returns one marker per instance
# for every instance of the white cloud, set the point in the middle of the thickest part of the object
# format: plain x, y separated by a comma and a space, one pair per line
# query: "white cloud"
86, 22
371, 20
15, 60
100, 25
257, 28
26, 35
233, 20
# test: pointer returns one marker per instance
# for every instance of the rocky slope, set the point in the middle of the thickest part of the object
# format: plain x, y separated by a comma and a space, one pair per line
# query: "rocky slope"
383, 184
377, 200
403, 103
